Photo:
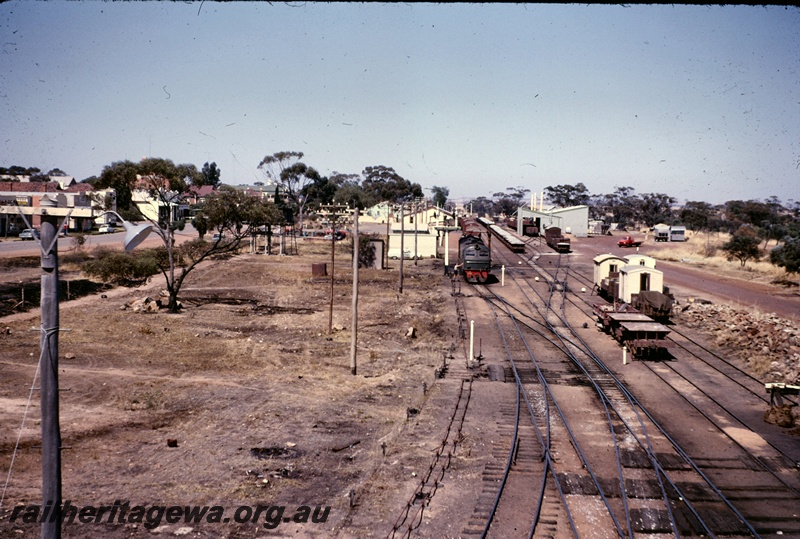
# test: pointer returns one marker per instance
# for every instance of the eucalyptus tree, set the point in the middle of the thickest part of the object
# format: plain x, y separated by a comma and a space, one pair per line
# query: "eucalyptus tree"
743, 245
656, 208
696, 215
568, 195
787, 255
209, 175
440, 195
235, 215
292, 176
386, 185
122, 177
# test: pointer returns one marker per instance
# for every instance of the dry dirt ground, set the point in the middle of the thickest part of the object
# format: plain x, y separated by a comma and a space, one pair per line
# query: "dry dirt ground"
252, 389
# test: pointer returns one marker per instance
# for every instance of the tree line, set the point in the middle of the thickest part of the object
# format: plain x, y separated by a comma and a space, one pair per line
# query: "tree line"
750, 222
232, 213
303, 190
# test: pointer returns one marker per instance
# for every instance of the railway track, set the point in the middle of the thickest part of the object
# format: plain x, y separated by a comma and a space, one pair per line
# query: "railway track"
692, 360
776, 472
601, 451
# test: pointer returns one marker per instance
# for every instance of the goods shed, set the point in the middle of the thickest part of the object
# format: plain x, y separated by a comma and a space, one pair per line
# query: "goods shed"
573, 220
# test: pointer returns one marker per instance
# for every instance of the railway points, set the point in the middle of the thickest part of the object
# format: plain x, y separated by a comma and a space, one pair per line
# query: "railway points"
668, 478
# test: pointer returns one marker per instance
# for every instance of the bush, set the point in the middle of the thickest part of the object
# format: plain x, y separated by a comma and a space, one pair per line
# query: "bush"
787, 255
366, 251
121, 267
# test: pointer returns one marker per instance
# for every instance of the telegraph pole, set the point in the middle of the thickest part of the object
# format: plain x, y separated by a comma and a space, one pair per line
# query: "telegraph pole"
402, 235
354, 334
334, 212
388, 231
51, 429
416, 218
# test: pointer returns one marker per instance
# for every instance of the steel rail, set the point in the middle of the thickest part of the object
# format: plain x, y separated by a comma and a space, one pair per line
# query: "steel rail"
734, 416
575, 443
675, 446
419, 491
762, 464
544, 442
646, 447
605, 400
716, 356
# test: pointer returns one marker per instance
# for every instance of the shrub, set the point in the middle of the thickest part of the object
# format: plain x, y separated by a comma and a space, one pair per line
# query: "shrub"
366, 251
121, 267
787, 255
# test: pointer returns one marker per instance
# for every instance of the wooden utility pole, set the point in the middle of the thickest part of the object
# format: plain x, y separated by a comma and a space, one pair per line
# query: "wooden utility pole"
388, 232
416, 218
334, 212
51, 429
402, 235
354, 336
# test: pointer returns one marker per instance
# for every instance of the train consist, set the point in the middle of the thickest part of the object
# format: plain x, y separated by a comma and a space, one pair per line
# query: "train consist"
638, 298
507, 238
556, 240
474, 258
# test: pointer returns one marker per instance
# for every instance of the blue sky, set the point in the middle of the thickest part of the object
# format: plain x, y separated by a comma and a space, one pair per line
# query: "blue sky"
698, 102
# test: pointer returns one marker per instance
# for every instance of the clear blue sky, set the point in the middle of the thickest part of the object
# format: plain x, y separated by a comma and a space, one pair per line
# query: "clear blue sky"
698, 102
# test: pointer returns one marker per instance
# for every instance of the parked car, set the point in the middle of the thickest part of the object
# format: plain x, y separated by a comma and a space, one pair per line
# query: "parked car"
339, 235
29, 234
106, 229
217, 237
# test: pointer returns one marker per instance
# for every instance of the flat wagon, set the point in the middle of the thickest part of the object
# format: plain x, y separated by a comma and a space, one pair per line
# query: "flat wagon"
644, 337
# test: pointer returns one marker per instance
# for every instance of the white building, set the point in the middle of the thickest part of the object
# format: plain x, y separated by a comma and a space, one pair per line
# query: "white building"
573, 220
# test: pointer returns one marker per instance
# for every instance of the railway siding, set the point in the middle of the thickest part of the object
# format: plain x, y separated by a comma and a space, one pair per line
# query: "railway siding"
723, 480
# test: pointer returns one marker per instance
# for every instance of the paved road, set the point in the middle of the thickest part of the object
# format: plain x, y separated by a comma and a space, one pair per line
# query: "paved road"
16, 247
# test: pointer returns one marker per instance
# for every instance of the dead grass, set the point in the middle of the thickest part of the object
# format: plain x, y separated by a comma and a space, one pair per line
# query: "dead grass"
704, 249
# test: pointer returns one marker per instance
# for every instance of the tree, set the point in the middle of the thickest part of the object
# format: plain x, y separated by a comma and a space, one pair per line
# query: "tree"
656, 208
165, 182
41, 178
120, 176
507, 202
695, 215
200, 224
620, 207
787, 255
386, 185
292, 175
233, 213
440, 195
354, 196
481, 206
743, 245
209, 175
320, 191
567, 195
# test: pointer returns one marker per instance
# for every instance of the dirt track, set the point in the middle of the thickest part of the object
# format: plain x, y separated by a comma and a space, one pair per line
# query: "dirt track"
248, 382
